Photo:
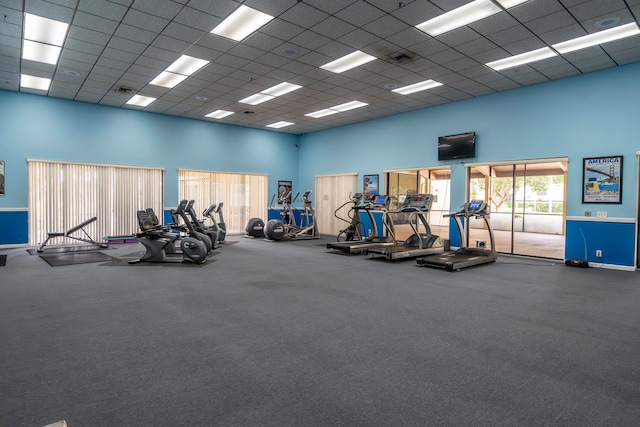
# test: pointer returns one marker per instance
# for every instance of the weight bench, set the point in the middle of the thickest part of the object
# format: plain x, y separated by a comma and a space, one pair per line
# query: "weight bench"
86, 239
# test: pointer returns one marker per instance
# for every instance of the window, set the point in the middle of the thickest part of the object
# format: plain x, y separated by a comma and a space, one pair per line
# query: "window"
63, 195
244, 196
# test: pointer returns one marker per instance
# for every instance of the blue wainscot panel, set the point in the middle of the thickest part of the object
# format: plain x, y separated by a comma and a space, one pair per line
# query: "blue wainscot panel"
14, 227
614, 237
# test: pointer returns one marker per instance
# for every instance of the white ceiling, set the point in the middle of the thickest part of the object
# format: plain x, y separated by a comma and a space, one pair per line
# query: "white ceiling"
126, 43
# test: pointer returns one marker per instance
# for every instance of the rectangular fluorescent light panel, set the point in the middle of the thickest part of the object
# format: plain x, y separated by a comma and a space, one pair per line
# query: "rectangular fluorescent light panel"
336, 109
33, 82
44, 30
256, 99
280, 125
270, 93
219, 114
523, 58
167, 79
348, 62
322, 113
40, 52
600, 37
281, 89
242, 22
464, 15
140, 100
186, 65
417, 87
349, 106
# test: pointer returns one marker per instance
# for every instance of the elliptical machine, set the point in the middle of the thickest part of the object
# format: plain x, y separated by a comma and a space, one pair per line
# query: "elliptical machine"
277, 229
354, 229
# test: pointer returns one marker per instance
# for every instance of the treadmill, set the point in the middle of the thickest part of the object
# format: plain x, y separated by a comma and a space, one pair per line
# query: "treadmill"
419, 243
378, 203
465, 256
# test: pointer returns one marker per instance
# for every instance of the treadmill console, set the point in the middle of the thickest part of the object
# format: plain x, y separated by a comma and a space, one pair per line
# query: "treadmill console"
475, 208
421, 202
306, 195
379, 202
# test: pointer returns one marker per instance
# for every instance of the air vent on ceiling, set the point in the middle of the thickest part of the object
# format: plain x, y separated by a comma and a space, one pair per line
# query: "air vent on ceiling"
248, 112
401, 58
125, 90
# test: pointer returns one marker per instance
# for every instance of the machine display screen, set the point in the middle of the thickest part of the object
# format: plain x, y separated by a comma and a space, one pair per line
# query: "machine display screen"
474, 206
381, 199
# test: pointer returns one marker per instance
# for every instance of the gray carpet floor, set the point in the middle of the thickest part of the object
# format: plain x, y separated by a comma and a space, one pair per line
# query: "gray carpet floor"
288, 334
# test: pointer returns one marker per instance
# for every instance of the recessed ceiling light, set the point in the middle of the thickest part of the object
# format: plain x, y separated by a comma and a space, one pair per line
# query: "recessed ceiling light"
270, 93
348, 62
44, 30
242, 22
322, 113
607, 22
218, 114
256, 99
281, 89
349, 106
140, 100
417, 87
33, 82
390, 85
40, 52
523, 58
600, 37
336, 109
186, 65
464, 15
201, 98
167, 79
290, 51
278, 125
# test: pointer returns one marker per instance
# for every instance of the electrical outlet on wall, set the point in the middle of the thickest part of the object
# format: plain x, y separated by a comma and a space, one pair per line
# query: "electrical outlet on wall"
602, 214
598, 253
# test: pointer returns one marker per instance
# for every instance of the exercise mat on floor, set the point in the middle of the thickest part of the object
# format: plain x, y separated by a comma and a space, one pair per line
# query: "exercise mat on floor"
66, 249
71, 258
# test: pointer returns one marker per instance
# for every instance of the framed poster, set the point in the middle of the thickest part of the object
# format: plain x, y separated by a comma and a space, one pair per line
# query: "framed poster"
370, 186
602, 179
1, 177
284, 187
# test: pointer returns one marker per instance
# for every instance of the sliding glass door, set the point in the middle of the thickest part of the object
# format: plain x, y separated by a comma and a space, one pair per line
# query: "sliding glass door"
527, 205
425, 181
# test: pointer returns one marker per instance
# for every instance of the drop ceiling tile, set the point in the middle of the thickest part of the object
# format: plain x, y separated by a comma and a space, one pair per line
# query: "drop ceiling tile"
167, 9
95, 23
385, 26
136, 34
304, 15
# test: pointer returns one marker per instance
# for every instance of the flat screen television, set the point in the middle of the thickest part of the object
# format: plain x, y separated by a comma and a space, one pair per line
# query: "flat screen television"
460, 146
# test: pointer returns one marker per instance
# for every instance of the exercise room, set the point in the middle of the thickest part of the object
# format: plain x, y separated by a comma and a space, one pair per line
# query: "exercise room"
312, 213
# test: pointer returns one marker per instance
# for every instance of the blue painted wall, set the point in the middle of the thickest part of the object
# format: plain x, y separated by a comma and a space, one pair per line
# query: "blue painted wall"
584, 116
37, 127
590, 115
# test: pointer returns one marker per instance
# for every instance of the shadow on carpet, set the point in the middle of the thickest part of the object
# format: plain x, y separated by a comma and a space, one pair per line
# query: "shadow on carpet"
172, 261
72, 258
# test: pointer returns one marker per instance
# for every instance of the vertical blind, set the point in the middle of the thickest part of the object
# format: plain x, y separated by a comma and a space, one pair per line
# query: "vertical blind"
244, 195
62, 195
331, 192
